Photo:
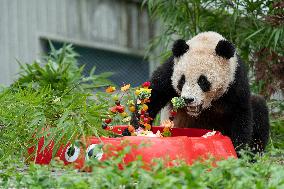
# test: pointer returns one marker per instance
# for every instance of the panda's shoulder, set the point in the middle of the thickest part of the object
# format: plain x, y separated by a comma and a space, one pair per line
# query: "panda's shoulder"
238, 93
165, 70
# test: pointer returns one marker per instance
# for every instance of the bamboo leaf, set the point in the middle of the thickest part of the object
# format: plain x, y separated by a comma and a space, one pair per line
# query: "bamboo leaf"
276, 37
255, 33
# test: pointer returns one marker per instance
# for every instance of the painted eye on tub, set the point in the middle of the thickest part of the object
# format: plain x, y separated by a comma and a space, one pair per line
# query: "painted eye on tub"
72, 153
95, 151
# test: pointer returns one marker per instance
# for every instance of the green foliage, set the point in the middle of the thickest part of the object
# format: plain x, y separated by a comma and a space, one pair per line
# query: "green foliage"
60, 71
277, 124
51, 101
244, 22
26, 116
267, 172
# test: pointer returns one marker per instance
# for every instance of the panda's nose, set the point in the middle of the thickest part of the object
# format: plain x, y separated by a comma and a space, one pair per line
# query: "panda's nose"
188, 100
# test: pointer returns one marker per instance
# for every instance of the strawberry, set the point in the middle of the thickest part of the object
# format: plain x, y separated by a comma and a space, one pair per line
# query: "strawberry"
146, 84
142, 112
107, 121
113, 109
120, 108
146, 120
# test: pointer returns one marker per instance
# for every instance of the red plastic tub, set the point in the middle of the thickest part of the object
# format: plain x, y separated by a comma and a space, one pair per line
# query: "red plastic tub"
186, 144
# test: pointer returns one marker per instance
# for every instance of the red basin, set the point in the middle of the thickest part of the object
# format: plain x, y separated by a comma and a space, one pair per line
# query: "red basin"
186, 144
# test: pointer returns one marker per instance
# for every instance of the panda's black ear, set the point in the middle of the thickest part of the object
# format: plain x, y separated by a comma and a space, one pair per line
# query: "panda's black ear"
179, 48
225, 49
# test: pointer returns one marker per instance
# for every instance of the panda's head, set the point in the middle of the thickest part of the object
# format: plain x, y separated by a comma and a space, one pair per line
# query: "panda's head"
204, 67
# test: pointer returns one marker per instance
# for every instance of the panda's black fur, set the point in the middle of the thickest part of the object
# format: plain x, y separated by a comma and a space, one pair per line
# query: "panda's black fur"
238, 114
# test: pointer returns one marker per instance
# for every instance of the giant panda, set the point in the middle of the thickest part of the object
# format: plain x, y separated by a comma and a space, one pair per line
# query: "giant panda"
209, 75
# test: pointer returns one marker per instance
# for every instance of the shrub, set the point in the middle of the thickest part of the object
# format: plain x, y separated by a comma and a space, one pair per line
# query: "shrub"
51, 100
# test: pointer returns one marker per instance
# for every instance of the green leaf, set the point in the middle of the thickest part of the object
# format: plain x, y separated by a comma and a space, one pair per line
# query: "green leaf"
255, 33
276, 37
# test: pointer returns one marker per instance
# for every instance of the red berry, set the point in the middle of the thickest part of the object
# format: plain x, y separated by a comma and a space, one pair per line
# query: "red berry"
141, 116
107, 121
113, 109
142, 112
146, 84
120, 109
146, 120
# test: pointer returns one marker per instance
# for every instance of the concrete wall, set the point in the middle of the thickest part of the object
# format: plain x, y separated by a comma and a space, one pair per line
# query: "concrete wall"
116, 25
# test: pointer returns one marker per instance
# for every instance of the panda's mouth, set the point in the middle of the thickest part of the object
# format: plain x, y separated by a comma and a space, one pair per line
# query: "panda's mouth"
194, 110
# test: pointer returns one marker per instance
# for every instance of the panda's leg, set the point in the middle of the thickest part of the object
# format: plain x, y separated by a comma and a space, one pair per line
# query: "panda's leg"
162, 91
260, 124
241, 129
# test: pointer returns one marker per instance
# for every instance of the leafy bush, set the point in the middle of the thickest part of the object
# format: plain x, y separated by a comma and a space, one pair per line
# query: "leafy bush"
51, 101
60, 72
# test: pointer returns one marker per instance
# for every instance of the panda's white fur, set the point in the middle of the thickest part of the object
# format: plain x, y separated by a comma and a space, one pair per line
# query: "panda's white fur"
201, 59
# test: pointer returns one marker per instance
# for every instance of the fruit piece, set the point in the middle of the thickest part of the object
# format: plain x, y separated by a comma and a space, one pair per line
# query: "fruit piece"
139, 101
137, 92
145, 100
115, 97
113, 109
120, 108
142, 112
124, 114
166, 129
142, 116
104, 125
144, 93
126, 119
110, 89
132, 108
167, 134
146, 84
125, 87
145, 107
147, 126
117, 102
146, 120
107, 121
131, 128
130, 103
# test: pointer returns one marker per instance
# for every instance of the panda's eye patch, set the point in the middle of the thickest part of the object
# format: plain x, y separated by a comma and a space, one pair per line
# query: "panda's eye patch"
204, 83
181, 82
